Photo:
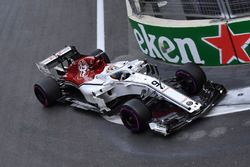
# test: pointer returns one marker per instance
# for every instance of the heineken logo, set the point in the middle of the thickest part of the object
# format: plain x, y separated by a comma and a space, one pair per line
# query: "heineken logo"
164, 48
183, 45
231, 46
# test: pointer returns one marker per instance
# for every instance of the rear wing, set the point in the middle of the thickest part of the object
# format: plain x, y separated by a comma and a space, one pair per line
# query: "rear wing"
68, 54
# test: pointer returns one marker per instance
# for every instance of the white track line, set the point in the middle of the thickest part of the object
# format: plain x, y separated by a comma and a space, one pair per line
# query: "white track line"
237, 100
100, 36
222, 110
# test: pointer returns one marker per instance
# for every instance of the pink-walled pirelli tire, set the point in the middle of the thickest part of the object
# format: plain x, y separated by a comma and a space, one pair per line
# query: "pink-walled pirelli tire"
102, 54
191, 77
47, 91
135, 115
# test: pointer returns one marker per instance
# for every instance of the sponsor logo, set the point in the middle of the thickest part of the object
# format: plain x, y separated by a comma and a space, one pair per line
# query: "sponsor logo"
189, 103
82, 67
163, 48
231, 46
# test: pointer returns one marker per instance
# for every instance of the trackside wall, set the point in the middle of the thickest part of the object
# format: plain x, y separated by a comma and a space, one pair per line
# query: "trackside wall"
207, 42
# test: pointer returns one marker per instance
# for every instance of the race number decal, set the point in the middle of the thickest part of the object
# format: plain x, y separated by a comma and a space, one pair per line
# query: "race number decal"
158, 85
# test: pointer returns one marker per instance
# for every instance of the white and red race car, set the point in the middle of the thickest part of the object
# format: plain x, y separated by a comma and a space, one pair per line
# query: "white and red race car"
132, 89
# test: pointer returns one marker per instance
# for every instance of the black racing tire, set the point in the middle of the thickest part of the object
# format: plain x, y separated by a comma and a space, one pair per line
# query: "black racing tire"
135, 115
47, 91
102, 54
193, 78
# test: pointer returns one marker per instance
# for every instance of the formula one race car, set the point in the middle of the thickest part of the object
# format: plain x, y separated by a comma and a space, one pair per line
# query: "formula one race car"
134, 89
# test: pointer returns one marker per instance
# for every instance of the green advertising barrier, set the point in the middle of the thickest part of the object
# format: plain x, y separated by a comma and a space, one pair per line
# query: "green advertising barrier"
240, 36
211, 43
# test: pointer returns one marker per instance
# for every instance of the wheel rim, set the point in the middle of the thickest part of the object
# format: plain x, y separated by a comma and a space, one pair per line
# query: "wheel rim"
41, 96
130, 119
188, 84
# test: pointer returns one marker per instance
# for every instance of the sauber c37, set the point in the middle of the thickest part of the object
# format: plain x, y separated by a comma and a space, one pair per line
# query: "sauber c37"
132, 89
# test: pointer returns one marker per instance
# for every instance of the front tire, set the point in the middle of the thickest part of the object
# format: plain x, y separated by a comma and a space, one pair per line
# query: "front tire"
191, 77
135, 115
47, 91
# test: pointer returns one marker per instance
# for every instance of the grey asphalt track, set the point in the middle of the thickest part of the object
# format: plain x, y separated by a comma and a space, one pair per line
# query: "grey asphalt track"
33, 136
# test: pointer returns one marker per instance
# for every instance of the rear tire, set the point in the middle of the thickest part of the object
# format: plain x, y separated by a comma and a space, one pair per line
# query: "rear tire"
135, 115
47, 91
102, 54
193, 78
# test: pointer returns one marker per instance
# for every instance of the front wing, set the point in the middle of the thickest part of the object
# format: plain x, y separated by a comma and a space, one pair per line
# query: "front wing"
208, 97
